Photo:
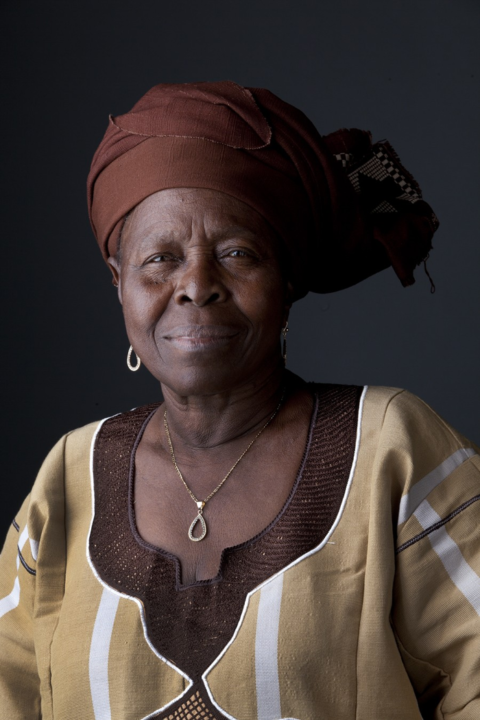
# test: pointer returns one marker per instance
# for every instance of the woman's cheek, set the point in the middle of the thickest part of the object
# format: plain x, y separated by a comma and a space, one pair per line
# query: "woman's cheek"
142, 312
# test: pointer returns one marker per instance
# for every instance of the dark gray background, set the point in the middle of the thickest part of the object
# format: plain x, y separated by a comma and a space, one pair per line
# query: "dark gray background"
408, 71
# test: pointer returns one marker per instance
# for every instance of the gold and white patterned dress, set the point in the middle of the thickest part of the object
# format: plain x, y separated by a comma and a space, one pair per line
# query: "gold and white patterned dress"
361, 601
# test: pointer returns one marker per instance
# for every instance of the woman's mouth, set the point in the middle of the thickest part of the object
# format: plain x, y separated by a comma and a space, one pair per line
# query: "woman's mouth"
200, 337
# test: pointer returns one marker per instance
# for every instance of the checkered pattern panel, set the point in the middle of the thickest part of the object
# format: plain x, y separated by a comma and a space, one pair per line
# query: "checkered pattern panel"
395, 173
384, 207
372, 167
344, 158
192, 709
381, 165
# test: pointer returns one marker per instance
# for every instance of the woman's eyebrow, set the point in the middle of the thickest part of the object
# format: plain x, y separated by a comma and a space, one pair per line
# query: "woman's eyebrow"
235, 230
154, 236
170, 236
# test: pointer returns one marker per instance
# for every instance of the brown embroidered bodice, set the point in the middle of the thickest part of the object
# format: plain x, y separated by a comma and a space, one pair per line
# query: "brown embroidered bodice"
190, 625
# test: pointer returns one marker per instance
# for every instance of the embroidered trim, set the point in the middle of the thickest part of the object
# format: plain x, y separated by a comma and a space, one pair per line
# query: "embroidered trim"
437, 525
358, 436
298, 531
225, 552
125, 595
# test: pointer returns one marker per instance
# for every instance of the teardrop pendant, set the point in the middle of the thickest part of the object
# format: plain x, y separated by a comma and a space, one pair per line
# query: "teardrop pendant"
202, 522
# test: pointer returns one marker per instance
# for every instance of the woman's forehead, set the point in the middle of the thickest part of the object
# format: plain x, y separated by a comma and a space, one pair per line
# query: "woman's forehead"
173, 210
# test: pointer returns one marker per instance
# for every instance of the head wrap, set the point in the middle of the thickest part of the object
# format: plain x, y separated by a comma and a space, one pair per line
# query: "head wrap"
344, 207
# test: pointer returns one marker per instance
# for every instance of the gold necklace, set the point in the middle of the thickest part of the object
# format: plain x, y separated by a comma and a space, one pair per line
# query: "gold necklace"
201, 503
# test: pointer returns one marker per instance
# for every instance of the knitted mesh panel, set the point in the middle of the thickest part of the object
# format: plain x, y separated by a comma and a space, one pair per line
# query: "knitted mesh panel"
190, 626
194, 708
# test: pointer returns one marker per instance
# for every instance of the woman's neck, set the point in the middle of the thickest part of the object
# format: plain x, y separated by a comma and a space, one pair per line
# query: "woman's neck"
209, 421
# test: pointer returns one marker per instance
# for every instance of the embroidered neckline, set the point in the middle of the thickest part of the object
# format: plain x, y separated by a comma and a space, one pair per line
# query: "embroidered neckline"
191, 628
229, 550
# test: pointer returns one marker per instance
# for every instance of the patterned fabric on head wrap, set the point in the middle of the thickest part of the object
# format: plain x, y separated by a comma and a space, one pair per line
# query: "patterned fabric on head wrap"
344, 207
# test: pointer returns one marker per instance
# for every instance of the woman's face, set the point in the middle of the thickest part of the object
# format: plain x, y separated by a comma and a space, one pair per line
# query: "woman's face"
203, 294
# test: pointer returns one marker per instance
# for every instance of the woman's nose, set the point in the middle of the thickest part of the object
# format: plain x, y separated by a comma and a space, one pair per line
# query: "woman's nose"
200, 282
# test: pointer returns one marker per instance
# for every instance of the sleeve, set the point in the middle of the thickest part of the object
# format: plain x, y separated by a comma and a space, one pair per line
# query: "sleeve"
31, 580
19, 681
436, 597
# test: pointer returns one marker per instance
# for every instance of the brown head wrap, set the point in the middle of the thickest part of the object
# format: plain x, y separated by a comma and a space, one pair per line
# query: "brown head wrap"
344, 208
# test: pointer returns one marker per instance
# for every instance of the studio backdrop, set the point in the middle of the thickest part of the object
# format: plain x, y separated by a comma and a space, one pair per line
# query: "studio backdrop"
408, 72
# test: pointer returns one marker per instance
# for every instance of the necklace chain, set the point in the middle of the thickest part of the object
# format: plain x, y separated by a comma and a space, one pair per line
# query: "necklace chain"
201, 503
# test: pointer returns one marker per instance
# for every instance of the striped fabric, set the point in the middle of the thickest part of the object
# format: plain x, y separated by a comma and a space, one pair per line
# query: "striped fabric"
266, 650
382, 620
411, 500
99, 654
461, 574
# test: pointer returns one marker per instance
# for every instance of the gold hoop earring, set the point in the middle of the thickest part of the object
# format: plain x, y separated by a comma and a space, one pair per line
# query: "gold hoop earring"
284, 350
131, 367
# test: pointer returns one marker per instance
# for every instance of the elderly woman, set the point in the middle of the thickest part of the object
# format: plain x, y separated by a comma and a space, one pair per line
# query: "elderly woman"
255, 547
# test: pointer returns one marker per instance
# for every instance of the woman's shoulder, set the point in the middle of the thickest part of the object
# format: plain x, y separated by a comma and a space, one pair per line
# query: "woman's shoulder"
417, 453
395, 413
64, 478
80, 438
404, 417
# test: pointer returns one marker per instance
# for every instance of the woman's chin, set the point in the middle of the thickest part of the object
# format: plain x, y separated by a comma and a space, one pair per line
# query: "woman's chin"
198, 383
213, 377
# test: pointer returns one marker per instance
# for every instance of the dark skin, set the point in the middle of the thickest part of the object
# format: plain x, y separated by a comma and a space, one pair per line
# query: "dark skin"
204, 300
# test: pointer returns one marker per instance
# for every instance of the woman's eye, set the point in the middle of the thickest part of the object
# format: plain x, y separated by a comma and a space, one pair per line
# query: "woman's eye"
161, 260
238, 253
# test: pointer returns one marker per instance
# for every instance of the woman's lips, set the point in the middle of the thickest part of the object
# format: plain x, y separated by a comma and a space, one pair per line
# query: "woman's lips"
200, 337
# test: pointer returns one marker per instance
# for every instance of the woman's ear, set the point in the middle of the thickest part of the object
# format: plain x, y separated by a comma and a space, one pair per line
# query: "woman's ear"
114, 266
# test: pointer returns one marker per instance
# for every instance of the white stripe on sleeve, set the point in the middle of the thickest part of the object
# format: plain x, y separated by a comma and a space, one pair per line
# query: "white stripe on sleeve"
410, 502
10, 602
34, 548
460, 572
